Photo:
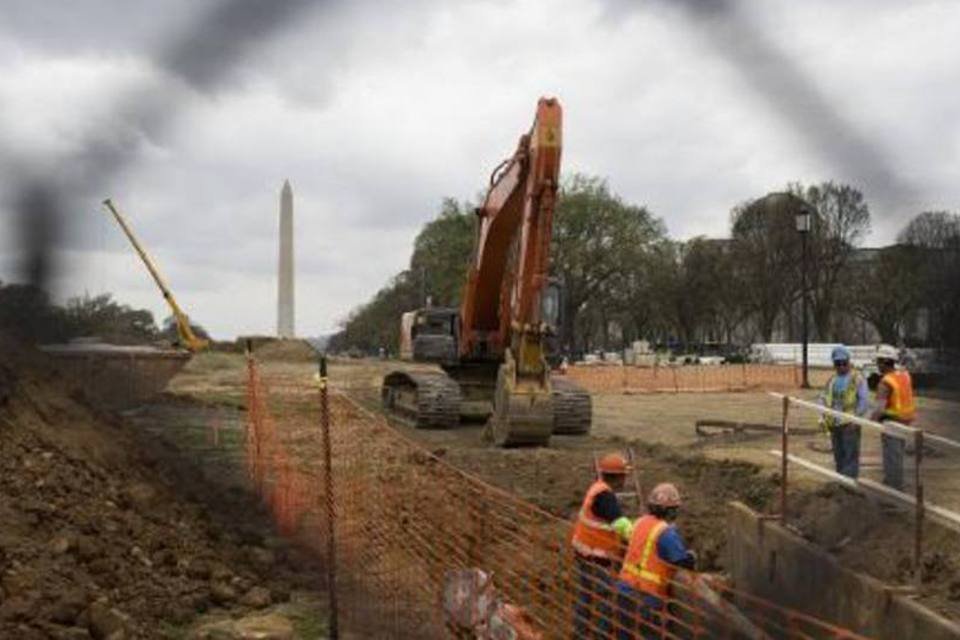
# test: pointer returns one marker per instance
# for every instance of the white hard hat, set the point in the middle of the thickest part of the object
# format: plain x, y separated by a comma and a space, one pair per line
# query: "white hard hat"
664, 494
886, 352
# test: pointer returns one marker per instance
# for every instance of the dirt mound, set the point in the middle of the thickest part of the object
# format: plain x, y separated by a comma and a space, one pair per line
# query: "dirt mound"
95, 537
285, 351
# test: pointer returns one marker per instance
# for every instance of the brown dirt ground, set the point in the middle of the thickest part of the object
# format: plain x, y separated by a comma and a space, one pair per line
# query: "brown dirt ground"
104, 528
863, 534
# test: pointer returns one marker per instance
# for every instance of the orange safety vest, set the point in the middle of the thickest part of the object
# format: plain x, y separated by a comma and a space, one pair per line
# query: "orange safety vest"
592, 537
900, 404
643, 569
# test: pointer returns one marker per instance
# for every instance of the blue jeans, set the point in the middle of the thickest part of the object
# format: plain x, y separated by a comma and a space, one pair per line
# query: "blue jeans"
593, 613
846, 449
639, 614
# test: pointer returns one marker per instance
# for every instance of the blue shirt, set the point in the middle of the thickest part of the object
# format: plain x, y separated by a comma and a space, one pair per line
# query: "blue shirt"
840, 383
670, 548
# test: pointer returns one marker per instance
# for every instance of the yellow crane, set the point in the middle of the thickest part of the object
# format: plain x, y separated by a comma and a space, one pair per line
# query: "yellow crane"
187, 338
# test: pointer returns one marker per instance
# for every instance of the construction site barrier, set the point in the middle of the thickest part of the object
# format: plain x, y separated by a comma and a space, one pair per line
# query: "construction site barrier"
604, 379
916, 501
417, 548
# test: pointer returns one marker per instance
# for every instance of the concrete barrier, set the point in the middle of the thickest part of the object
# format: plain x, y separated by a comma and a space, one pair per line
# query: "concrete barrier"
113, 376
767, 560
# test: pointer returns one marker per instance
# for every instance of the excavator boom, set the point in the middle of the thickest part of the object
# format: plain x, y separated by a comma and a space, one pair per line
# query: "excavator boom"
187, 337
504, 289
500, 370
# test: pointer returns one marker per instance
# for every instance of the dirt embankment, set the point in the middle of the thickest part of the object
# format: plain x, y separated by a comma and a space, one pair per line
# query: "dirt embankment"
863, 534
96, 537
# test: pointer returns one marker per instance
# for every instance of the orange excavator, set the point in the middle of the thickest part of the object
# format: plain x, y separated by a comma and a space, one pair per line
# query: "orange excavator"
493, 349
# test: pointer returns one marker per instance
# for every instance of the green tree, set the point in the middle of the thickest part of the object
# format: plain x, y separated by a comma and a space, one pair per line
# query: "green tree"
597, 237
27, 313
442, 251
171, 334
377, 323
103, 317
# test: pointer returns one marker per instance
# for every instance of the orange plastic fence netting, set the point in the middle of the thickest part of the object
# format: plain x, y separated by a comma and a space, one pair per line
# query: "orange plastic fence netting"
692, 378
425, 550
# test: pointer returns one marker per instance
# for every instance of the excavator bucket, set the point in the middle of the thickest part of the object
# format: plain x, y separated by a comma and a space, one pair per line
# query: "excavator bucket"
522, 409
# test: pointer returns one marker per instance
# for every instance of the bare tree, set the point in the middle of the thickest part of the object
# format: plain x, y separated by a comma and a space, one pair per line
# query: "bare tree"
841, 221
765, 254
885, 289
937, 235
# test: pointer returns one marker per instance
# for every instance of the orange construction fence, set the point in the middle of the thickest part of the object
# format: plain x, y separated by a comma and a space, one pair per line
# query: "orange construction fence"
693, 378
416, 548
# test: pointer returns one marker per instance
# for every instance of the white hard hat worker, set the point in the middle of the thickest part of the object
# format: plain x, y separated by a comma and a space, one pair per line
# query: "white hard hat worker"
886, 352
664, 496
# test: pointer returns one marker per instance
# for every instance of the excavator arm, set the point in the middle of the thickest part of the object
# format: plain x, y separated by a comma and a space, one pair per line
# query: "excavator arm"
500, 312
499, 371
187, 337
501, 302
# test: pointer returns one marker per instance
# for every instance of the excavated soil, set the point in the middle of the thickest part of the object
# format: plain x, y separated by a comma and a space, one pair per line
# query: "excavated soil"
863, 534
110, 535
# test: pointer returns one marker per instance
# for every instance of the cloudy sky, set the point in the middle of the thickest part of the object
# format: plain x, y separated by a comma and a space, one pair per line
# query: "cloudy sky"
191, 116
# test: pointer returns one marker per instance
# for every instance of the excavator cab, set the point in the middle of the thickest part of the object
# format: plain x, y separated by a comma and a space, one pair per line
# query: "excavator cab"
430, 335
551, 313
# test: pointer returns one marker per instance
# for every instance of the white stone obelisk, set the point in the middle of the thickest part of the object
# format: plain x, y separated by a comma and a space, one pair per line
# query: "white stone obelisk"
285, 267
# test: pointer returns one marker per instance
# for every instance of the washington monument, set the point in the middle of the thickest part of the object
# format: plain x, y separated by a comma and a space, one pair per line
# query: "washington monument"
285, 267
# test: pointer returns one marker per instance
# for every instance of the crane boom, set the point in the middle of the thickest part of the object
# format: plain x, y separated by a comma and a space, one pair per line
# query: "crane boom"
187, 337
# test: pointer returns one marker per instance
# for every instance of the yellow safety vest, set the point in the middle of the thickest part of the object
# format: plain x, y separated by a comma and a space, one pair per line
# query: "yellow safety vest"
849, 398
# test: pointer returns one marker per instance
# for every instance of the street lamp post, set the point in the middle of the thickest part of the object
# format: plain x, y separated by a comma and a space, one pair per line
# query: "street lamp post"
804, 217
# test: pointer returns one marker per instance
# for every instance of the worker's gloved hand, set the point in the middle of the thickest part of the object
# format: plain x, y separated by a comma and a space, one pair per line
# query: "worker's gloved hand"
624, 527
693, 559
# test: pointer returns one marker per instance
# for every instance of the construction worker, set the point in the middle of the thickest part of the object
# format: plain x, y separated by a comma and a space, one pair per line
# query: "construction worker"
654, 554
599, 536
894, 402
845, 391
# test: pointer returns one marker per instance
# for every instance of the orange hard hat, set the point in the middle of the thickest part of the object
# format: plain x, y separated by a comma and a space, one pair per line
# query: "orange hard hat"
664, 494
613, 463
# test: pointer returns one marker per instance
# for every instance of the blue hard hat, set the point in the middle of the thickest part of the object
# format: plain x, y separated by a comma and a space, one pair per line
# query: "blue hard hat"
840, 354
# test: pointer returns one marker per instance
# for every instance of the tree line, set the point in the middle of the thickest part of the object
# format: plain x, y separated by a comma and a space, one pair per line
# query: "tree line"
625, 279
28, 313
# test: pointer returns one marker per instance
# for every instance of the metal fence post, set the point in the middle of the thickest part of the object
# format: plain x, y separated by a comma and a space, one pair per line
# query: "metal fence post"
329, 510
784, 442
918, 524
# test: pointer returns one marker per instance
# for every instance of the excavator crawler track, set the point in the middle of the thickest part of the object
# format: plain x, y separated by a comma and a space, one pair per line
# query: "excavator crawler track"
425, 400
572, 408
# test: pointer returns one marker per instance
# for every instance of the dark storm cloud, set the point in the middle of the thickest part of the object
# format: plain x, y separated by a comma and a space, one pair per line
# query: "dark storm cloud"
201, 55
69, 27
788, 90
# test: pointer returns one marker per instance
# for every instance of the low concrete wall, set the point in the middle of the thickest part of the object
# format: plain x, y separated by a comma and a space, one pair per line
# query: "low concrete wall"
119, 381
767, 560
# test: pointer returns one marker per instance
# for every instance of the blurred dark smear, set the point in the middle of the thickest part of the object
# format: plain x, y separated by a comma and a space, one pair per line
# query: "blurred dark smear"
39, 209
790, 92
202, 56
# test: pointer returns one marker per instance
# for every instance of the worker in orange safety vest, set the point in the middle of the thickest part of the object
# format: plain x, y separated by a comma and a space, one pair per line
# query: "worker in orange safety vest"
598, 540
653, 556
894, 402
